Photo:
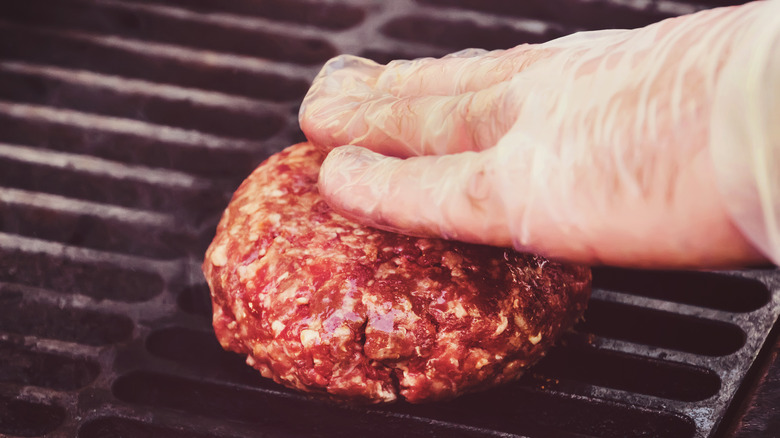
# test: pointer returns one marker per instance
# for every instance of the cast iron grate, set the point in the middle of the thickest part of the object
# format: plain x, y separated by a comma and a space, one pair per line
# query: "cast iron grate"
124, 127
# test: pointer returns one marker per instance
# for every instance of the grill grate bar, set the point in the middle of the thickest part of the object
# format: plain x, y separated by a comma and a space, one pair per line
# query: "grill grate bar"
85, 164
20, 416
663, 305
209, 112
108, 183
80, 81
335, 15
86, 224
145, 88
123, 126
128, 141
203, 69
172, 26
98, 274
72, 206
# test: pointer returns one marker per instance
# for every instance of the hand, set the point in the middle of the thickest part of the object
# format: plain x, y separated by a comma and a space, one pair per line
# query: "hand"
617, 147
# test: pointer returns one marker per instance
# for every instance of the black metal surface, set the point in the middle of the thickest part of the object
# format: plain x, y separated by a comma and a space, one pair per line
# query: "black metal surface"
756, 409
126, 124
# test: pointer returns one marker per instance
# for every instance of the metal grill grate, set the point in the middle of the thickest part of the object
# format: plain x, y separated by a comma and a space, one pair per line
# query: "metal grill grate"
124, 127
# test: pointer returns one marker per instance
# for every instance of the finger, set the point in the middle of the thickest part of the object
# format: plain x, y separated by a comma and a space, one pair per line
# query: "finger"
412, 125
457, 73
451, 196
566, 213
349, 91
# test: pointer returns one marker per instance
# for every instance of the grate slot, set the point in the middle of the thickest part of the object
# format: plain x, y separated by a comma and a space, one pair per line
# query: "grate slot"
525, 411
125, 141
63, 273
668, 330
89, 225
598, 14
141, 23
110, 427
196, 300
714, 291
149, 62
106, 182
199, 351
61, 322
512, 409
462, 34
270, 410
327, 15
41, 369
715, 3
672, 380
22, 418
119, 98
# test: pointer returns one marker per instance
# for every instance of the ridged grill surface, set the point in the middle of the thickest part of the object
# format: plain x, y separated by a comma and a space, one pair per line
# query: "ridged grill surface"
125, 125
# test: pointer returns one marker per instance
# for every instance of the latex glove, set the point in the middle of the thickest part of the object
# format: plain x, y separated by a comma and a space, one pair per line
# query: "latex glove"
649, 147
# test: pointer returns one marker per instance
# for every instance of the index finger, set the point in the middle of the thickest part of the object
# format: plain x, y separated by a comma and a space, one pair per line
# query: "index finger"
357, 100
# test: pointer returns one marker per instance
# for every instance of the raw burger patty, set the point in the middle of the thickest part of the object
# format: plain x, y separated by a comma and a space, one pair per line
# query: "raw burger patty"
322, 304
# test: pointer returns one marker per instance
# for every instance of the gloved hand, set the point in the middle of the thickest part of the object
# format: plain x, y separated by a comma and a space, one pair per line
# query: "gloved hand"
655, 147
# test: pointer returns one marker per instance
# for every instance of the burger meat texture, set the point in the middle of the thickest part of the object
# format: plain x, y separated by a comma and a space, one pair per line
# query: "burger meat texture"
320, 303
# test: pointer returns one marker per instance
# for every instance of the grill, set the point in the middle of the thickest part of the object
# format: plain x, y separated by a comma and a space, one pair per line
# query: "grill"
126, 124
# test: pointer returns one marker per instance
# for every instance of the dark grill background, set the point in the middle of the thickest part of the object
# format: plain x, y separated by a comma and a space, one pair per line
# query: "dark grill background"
126, 124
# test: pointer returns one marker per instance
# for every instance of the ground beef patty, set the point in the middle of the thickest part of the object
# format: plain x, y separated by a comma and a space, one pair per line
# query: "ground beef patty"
322, 304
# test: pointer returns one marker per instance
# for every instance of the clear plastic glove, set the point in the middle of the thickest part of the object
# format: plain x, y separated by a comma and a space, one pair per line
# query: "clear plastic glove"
655, 147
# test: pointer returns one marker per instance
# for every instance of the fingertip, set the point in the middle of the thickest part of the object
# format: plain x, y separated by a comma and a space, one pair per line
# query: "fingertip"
341, 84
356, 64
343, 166
344, 68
